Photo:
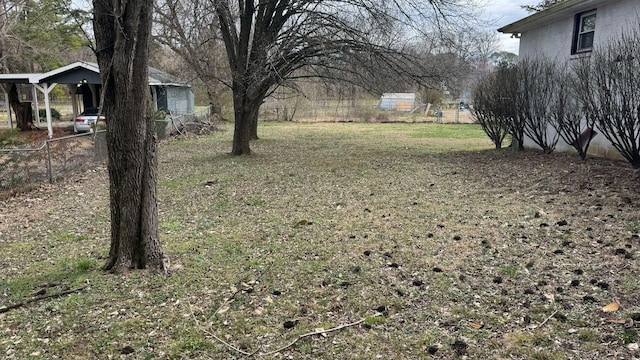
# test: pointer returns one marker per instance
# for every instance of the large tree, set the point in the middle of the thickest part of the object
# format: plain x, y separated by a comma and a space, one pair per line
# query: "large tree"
270, 42
122, 31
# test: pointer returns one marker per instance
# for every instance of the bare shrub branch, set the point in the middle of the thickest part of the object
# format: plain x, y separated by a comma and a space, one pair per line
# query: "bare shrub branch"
567, 113
494, 104
610, 93
537, 84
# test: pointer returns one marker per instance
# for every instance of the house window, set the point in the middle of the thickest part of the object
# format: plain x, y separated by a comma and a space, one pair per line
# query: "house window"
585, 29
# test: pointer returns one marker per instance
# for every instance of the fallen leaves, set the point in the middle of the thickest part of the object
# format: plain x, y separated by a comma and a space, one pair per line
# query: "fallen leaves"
612, 307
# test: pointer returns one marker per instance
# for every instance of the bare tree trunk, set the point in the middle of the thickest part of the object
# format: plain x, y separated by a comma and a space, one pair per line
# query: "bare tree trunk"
122, 29
23, 111
243, 124
253, 134
212, 94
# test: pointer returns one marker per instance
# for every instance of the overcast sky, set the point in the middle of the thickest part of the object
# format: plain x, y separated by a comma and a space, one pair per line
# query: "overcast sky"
504, 12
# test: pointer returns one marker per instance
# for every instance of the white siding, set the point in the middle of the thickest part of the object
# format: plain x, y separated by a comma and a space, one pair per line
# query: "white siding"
554, 40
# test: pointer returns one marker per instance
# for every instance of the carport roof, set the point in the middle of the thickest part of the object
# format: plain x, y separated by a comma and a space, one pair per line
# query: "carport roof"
84, 72
17, 78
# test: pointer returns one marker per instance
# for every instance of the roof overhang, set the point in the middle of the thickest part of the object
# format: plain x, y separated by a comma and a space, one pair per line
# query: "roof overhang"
75, 73
18, 78
554, 13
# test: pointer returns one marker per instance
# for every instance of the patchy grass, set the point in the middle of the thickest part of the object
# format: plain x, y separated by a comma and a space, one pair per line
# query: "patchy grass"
444, 248
9, 138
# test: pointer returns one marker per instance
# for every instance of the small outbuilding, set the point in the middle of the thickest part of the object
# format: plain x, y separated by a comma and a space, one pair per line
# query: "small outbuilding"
405, 102
84, 85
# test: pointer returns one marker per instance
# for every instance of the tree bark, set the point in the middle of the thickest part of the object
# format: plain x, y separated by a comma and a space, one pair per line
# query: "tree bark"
23, 111
242, 124
253, 132
212, 94
122, 30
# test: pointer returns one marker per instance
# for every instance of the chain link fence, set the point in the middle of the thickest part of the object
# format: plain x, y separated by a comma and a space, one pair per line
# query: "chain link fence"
58, 158
52, 161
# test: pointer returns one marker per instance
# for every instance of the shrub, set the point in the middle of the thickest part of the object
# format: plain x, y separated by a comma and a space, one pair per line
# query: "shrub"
610, 93
494, 104
55, 114
160, 117
538, 81
567, 114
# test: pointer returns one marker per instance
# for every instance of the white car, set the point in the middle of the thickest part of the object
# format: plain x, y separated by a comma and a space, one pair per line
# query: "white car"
85, 121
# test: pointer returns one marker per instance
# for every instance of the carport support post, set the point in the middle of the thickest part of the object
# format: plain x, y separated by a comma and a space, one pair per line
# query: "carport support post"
74, 99
36, 109
154, 95
49, 169
46, 90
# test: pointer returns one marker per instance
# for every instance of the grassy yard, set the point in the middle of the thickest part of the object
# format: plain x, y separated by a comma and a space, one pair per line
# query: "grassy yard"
422, 239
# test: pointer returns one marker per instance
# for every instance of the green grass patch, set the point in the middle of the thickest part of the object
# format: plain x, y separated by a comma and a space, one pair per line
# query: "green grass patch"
10, 138
65, 236
448, 131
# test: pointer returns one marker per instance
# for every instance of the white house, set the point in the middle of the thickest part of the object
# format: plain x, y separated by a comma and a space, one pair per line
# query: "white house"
571, 30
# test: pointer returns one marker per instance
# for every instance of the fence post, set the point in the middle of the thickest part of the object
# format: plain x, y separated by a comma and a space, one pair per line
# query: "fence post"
49, 170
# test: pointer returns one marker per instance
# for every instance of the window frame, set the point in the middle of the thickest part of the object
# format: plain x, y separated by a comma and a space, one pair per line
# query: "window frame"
578, 32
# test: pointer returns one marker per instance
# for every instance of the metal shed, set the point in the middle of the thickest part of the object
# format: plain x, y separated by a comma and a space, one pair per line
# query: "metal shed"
397, 101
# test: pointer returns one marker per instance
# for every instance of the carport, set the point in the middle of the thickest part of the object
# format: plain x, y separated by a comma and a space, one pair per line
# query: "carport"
83, 78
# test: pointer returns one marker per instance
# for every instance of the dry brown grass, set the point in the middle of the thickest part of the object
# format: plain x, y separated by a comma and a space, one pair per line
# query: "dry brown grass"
446, 248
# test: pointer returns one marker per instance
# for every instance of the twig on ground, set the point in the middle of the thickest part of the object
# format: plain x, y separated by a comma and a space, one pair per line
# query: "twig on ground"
547, 319
229, 345
240, 351
23, 303
319, 332
238, 290
251, 354
226, 301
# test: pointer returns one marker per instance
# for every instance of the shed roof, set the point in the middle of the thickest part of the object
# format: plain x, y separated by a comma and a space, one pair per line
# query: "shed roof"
399, 96
556, 12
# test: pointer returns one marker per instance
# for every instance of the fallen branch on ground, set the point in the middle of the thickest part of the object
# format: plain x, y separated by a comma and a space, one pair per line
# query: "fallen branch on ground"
547, 319
23, 303
257, 352
318, 332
